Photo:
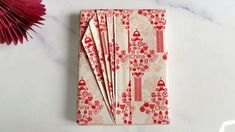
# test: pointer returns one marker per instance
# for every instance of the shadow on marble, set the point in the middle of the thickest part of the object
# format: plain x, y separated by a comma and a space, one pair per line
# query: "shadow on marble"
72, 61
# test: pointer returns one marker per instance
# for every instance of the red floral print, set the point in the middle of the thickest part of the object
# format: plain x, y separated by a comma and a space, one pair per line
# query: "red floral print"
87, 106
157, 107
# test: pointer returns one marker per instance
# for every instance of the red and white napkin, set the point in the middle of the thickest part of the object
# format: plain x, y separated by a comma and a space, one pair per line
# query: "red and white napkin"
122, 67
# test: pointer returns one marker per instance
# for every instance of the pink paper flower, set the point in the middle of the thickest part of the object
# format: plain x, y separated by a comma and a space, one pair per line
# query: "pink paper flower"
18, 16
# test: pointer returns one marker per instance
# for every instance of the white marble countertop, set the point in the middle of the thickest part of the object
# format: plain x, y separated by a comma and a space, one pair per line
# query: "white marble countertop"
38, 79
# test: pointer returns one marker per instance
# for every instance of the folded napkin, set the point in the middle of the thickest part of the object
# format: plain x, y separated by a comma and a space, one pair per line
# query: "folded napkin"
122, 67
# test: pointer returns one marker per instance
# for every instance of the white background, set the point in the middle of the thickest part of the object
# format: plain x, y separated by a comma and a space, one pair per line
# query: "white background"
38, 79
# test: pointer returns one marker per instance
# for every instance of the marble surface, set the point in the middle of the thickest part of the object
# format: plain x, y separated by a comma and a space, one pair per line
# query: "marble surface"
38, 79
